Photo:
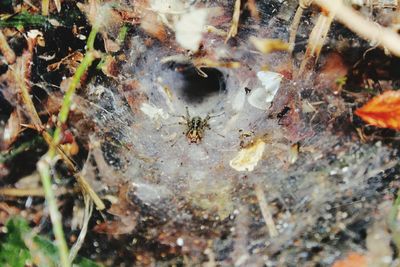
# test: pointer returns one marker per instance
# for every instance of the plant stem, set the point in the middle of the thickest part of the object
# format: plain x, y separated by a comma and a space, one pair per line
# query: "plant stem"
43, 167
67, 102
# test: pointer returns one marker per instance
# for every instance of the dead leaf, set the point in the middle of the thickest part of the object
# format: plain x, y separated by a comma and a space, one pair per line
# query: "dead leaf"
126, 216
12, 129
247, 158
252, 7
152, 26
382, 110
71, 61
111, 46
110, 67
52, 104
6, 211
352, 260
332, 71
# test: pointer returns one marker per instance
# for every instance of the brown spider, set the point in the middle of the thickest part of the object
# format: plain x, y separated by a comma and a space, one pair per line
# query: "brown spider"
195, 127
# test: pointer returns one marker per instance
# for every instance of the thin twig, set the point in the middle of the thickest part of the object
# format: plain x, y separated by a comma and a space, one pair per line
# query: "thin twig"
19, 74
303, 4
294, 27
366, 29
265, 210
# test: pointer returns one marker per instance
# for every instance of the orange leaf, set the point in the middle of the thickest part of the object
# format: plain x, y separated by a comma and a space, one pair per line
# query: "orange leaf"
382, 110
352, 260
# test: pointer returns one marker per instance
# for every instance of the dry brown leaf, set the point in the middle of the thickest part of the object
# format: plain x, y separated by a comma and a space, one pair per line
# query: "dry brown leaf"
102, 15
252, 7
6, 211
109, 66
111, 46
53, 103
126, 215
152, 26
71, 61
382, 110
333, 69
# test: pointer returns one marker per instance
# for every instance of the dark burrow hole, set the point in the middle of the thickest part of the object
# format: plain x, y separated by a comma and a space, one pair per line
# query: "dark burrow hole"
197, 87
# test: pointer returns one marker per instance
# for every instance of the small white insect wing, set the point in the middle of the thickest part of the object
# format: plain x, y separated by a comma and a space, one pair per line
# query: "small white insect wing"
262, 97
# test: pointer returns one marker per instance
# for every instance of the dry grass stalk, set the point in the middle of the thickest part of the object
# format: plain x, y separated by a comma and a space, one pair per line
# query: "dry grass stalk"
5, 49
209, 63
294, 27
45, 7
58, 5
366, 29
235, 21
267, 46
265, 210
22, 192
316, 42
81, 238
21, 76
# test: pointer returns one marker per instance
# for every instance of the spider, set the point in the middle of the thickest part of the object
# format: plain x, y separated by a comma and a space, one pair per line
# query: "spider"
195, 127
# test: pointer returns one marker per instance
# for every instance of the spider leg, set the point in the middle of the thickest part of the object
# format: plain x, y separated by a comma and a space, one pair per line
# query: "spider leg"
187, 113
218, 134
214, 116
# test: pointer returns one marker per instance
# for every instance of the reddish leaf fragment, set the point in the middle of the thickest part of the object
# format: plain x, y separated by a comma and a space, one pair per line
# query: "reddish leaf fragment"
382, 110
352, 260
